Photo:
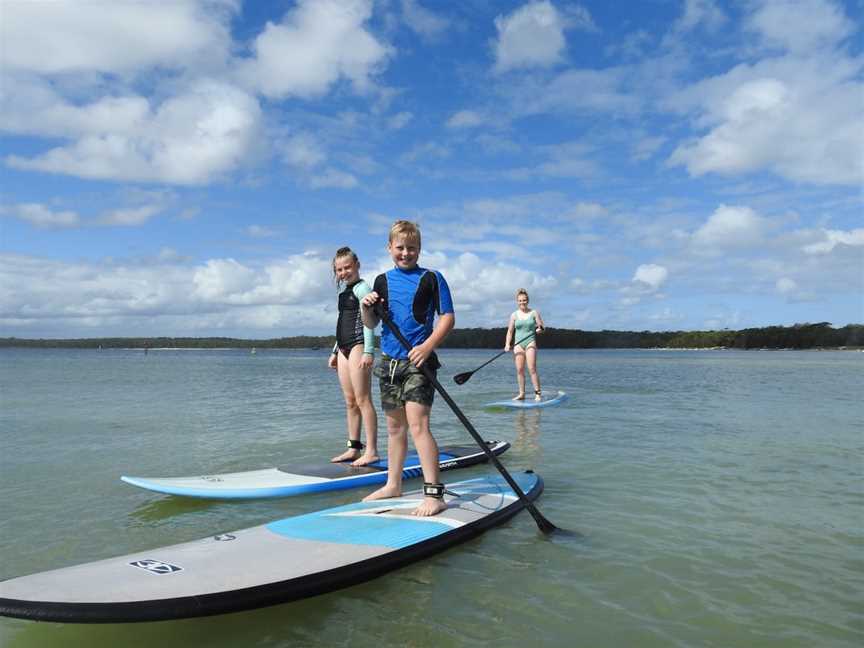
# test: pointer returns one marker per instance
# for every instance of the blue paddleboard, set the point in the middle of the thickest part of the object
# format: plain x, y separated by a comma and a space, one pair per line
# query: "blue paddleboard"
530, 403
282, 561
298, 480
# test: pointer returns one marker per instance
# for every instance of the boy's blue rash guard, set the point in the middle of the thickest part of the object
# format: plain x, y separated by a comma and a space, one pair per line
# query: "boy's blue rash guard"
412, 297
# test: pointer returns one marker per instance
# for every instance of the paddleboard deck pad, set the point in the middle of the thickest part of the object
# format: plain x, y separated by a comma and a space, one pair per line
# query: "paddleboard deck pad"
276, 482
559, 398
282, 561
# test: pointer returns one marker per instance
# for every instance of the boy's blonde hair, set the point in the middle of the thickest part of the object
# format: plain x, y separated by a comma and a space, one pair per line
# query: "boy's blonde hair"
405, 229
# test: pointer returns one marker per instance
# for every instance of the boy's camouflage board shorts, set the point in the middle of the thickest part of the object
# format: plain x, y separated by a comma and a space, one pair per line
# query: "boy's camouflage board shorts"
400, 381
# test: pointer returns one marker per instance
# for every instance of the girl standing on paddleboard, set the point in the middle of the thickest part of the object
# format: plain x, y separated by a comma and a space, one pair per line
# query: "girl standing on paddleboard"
525, 323
353, 357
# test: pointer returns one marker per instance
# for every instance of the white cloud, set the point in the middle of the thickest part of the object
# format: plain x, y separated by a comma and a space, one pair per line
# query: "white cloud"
731, 227
303, 151
645, 147
667, 316
564, 160
796, 114
317, 43
786, 286
130, 216
799, 25
169, 255
476, 283
532, 36
652, 275
105, 36
220, 279
164, 297
297, 279
260, 231
189, 139
833, 238
42, 216
33, 107
587, 211
333, 178
465, 119
400, 120
192, 129
605, 91
704, 13
425, 150
423, 21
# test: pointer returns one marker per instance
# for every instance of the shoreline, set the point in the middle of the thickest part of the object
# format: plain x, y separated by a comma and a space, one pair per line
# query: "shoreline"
254, 350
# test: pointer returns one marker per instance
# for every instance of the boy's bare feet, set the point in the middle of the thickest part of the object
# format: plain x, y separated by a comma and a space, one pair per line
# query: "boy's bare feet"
429, 506
519, 397
366, 459
383, 493
348, 455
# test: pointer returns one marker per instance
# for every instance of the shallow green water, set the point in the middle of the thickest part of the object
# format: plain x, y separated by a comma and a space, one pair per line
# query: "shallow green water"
718, 496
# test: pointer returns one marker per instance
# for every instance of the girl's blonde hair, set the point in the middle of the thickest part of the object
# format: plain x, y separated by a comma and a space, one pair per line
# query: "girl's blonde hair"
522, 291
343, 252
405, 229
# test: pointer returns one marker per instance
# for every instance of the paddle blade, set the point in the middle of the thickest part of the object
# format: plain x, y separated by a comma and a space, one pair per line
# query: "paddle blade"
461, 379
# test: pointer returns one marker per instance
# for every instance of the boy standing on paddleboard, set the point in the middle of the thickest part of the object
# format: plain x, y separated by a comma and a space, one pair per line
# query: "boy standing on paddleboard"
411, 296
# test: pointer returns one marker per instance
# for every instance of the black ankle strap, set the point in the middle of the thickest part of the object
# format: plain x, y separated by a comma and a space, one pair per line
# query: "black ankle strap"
355, 445
435, 490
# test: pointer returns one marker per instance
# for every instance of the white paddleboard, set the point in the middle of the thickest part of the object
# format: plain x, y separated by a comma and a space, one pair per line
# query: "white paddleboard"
285, 560
530, 403
297, 480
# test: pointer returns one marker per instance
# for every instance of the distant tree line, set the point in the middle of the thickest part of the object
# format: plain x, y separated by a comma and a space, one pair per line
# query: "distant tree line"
298, 342
799, 336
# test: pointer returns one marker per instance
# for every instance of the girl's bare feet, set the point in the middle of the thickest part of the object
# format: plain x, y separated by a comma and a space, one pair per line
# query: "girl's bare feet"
366, 459
348, 455
429, 506
383, 493
519, 397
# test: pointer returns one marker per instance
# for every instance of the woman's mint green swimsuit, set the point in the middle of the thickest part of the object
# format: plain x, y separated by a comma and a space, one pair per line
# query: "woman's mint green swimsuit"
524, 330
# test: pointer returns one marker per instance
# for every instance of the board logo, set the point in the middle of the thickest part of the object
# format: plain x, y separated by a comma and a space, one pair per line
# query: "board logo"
211, 478
224, 537
156, 566
449, 464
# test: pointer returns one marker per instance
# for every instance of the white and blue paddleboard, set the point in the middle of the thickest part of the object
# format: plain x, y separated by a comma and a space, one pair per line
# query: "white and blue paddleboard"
297, 480
282, 561
559, 398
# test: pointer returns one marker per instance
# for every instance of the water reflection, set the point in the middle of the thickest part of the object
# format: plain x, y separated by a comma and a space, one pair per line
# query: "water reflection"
527, 442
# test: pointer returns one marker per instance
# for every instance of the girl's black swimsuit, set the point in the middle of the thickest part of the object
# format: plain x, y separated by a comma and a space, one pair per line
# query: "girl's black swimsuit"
349, 327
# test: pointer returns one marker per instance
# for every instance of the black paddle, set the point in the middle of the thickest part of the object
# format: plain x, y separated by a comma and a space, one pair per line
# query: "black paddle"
461, 379
542, 523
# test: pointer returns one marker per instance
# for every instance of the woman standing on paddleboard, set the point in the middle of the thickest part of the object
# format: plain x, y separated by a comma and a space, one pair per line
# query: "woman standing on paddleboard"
353, 357
525, 323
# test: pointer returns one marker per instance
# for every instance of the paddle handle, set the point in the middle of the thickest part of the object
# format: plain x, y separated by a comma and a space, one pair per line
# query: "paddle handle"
543, 524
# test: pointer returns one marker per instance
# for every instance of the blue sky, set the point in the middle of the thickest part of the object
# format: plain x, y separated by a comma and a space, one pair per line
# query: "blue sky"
189, 167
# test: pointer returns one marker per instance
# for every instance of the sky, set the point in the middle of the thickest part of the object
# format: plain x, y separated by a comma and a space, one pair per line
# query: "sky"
189, 168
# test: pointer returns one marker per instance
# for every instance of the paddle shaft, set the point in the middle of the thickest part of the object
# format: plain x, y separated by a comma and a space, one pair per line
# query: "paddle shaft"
543, 524
468, 374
